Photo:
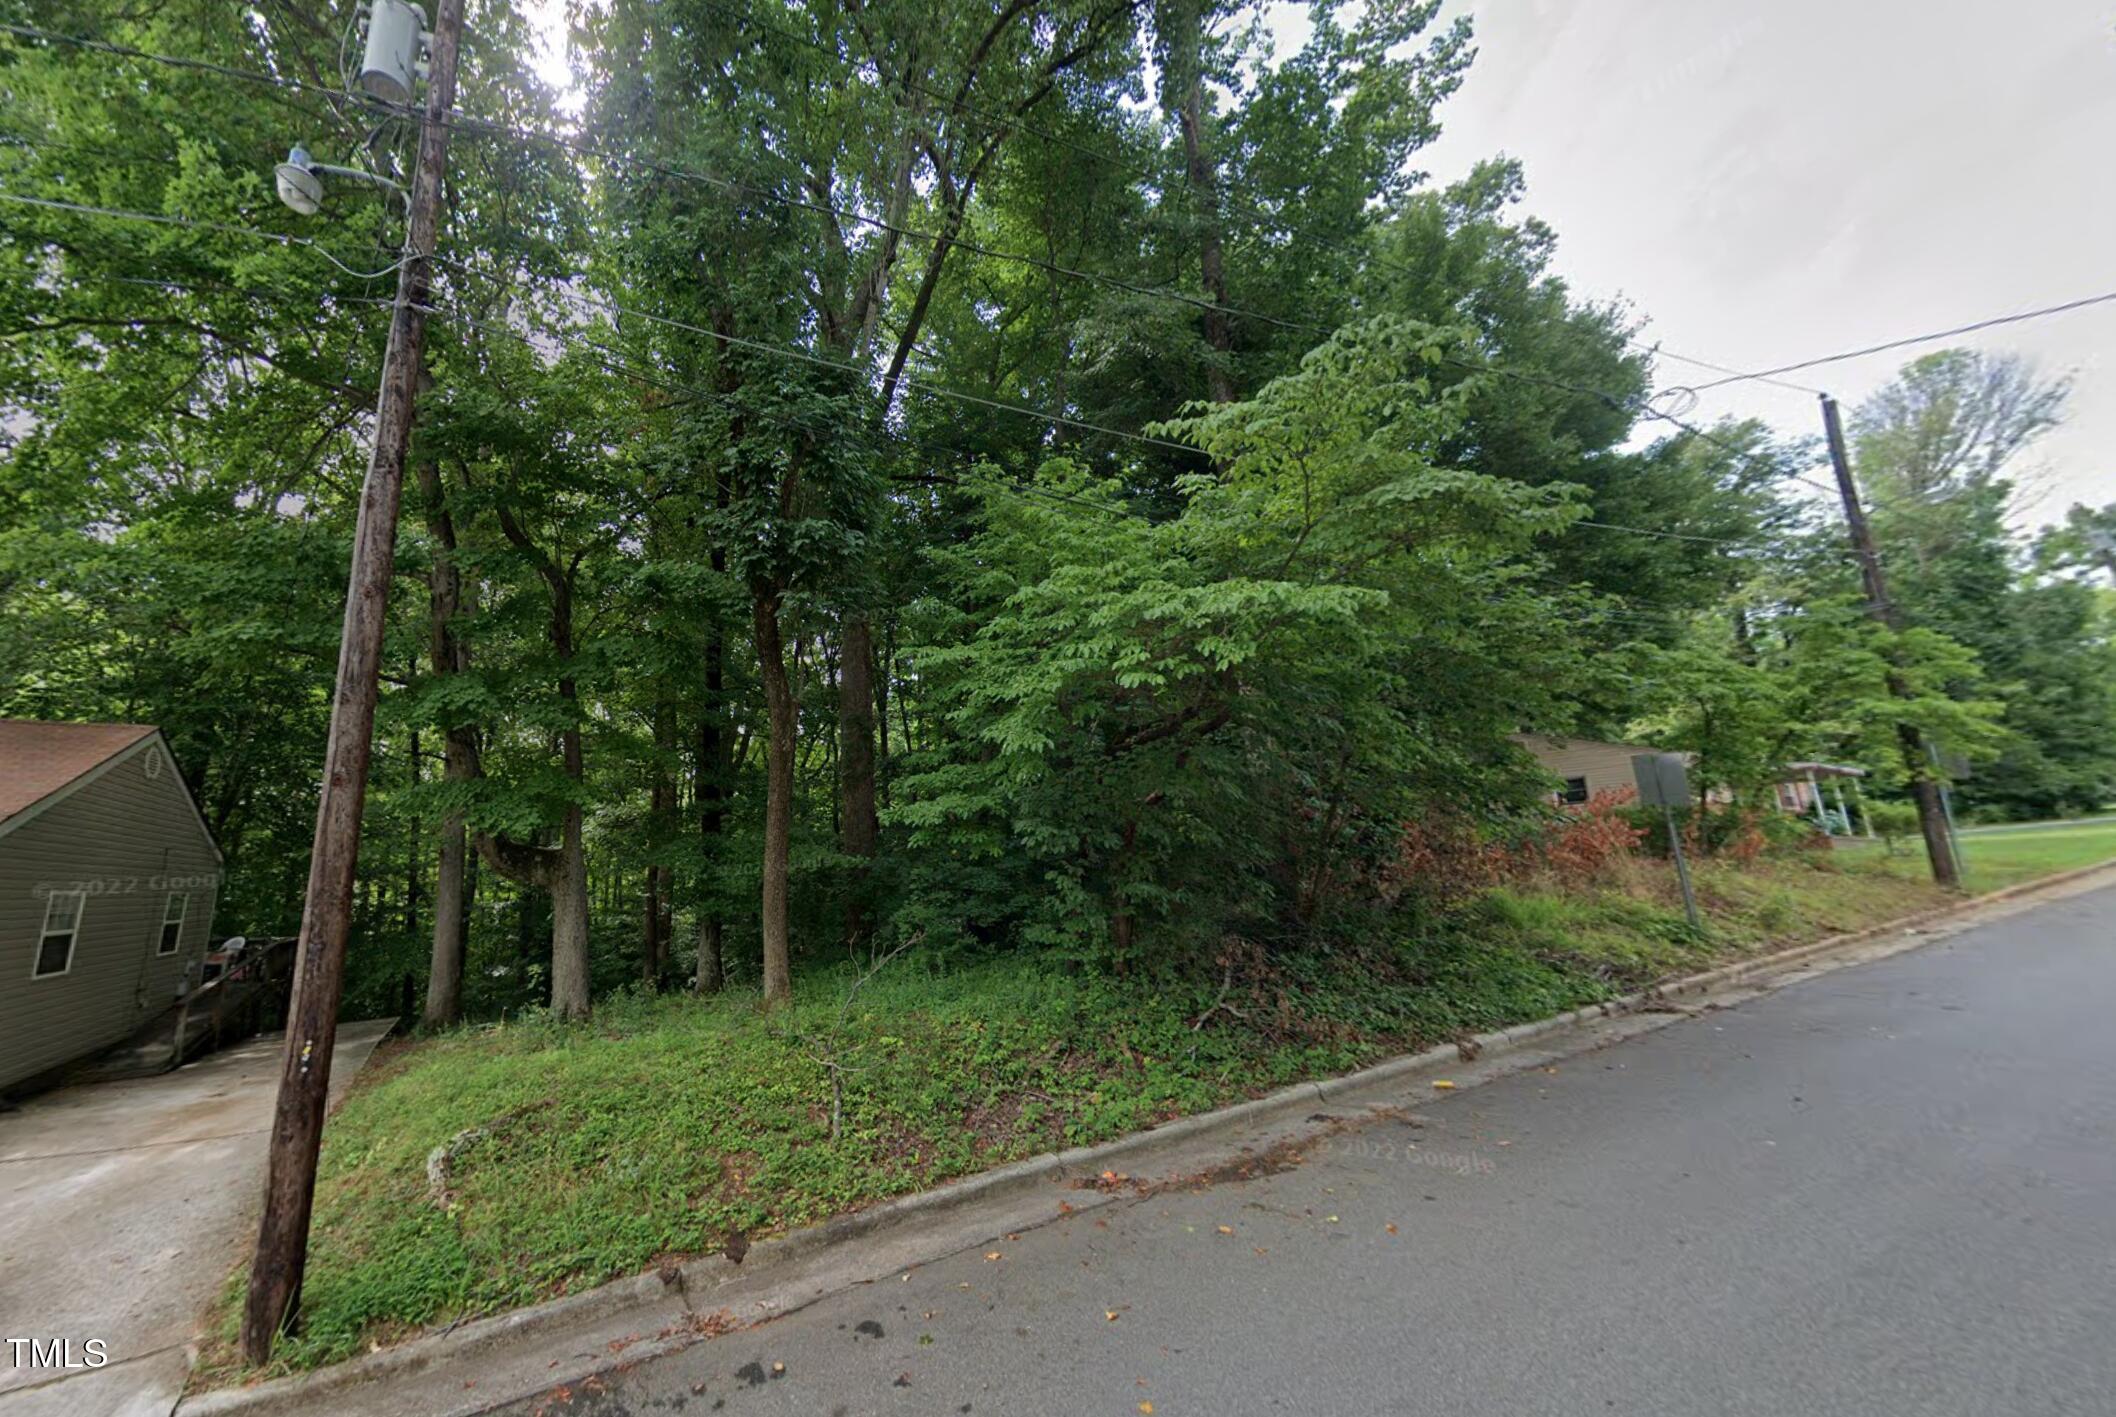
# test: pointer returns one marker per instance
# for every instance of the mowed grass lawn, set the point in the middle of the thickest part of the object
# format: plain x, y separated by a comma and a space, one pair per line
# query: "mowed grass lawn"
1995, 860
664, 1126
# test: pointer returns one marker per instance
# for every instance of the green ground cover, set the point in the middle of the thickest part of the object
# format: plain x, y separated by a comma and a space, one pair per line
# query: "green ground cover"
1995, 860
667, 1125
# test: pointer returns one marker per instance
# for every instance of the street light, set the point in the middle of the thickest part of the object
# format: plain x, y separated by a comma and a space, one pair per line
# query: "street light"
300, 180
391, 66
299, 187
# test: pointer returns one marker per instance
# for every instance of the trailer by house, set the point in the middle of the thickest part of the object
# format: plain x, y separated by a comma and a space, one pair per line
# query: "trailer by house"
108, 880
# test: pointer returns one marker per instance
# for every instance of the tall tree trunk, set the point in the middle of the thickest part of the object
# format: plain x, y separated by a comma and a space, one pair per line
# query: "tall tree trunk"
569, 910
444, 976
566, 875
569, 887
858, 827
1184, 37
712, 775
650, 945
411, 840
444, 980
715, 771
778, 794
882, 662
661, 810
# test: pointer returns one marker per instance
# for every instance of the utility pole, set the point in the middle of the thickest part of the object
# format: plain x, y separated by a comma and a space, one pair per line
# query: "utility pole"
1932, 816
274, 1299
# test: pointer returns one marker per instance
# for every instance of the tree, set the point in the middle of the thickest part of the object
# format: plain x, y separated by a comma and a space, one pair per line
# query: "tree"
1938, 449
1171, 730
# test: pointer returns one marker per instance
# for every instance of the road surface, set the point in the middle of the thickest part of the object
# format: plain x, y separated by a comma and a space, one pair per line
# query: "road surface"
1887, 1190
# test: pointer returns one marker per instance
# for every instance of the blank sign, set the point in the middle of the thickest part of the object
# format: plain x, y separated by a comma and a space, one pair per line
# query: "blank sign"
1663, 781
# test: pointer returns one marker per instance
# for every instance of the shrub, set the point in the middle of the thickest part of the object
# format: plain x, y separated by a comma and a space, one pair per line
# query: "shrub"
1893, 821
1443, 858
1587, 841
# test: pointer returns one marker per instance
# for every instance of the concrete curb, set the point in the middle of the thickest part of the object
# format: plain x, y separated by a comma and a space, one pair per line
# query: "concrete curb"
698, 1279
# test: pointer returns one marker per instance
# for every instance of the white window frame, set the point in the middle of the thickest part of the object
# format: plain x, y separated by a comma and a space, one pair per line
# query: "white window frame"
73, 943
163, 945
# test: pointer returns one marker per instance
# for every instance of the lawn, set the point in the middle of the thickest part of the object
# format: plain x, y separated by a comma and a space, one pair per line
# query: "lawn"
1995, 860
667, 1126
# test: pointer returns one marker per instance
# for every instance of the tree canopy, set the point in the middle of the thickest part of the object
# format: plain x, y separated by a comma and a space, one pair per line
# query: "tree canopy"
1008, 477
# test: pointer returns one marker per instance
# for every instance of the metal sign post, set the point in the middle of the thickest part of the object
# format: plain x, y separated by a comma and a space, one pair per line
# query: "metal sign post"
1664, 782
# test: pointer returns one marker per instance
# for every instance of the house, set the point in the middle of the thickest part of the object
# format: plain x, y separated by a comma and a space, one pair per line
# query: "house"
1799, 792
1586, 766
107, 882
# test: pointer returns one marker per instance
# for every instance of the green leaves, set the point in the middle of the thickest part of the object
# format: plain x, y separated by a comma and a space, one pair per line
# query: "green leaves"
1158, 714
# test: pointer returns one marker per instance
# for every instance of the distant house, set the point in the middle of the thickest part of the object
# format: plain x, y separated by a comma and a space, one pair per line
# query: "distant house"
1800, 792
1584, 766
107, 884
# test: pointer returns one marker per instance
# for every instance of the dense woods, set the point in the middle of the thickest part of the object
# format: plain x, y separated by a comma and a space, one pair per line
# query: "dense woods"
1039, 478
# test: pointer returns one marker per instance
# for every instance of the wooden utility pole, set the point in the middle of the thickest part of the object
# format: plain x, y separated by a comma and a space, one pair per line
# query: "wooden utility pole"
1932, 816
274, 1299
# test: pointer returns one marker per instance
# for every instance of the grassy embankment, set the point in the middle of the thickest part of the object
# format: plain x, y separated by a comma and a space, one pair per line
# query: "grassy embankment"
1996, 859
666, 1125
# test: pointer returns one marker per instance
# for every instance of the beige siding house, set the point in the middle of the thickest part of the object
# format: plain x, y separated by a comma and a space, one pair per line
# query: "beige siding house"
1586, 766
107, 884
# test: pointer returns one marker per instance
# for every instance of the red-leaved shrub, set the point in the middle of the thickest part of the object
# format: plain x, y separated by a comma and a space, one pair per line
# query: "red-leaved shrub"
1581, 846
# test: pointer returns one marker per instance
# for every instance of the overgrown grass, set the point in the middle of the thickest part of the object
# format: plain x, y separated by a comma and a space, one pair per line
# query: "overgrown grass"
668, 1124
1994, 860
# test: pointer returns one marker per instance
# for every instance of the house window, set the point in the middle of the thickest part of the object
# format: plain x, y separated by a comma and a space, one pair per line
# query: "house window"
1575, 791
173, 922
62, 925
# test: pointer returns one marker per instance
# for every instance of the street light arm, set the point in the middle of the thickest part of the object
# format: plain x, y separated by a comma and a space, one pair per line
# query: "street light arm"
359, 174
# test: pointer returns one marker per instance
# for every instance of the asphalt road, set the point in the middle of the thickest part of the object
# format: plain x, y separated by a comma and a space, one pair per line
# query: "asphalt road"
1887, 1190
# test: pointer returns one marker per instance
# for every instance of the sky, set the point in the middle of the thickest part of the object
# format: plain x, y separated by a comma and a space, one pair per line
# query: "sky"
1769, 183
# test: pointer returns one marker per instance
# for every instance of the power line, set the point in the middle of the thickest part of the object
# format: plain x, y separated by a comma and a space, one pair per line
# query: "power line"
745, 189
1666, 353
257, 293
126, 51
585, 149
1058, 419
1670, 535
726, 184
940, 391
1253, 209
758, 346
790, 352
778, 351
192, 223
1473, 366
1883, 348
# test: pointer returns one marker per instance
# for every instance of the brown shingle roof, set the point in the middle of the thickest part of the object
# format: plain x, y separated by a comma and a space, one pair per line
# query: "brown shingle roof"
37, 759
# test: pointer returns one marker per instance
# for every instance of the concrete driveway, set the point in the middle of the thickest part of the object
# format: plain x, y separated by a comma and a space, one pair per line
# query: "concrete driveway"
122, 1208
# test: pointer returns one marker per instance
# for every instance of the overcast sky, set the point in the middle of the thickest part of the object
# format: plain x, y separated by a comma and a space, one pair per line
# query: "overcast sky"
1766, 183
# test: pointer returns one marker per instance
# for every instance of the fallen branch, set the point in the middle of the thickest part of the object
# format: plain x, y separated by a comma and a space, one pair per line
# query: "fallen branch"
440, 1162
